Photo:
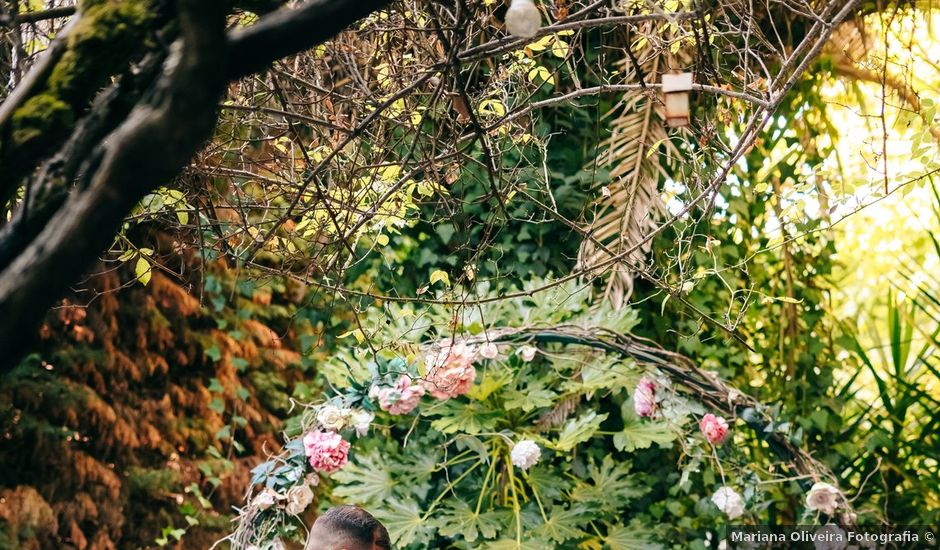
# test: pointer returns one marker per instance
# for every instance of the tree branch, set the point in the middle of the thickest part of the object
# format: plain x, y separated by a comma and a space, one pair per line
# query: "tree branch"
290, 31
156, 141
150, 147
36, 16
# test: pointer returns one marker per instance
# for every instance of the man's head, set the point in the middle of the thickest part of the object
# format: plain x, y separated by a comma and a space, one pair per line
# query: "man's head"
348, 528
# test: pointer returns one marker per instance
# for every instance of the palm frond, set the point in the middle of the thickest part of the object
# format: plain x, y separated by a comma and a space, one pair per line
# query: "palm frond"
628, 211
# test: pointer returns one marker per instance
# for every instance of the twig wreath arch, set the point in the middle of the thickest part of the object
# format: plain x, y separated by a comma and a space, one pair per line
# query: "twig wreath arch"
283, 487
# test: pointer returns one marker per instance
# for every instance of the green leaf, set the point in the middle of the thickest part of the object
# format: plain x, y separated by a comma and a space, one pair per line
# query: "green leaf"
404, 522
475, 445
640, 434
632, 537
215, 386
610, 485
525, 544
239, 364
217, 405
367, 479
579, 430
440, 275
261, 471
605, 374
142, 270
445, 231
460, 519
563, 525
529, 399
491, 382
466, 418
224, 434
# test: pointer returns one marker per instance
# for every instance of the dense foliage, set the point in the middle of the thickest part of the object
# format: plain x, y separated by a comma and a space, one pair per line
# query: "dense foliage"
424, 181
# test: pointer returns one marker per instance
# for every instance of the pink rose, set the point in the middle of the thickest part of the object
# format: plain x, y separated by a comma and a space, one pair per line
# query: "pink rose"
644, 398
326, 451
714, 428
450, 370
402, 398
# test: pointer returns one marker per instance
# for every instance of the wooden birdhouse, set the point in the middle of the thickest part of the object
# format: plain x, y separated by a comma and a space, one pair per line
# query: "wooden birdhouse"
676, 88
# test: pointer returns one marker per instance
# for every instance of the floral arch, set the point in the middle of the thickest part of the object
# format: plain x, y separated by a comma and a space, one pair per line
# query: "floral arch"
549, 435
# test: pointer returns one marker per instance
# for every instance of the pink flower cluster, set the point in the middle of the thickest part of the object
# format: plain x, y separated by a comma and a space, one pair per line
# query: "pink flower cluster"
401, 398
644, 398
450, 370
326, 451
714, 428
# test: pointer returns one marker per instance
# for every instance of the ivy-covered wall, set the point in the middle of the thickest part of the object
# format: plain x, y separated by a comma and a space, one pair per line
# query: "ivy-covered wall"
139, 419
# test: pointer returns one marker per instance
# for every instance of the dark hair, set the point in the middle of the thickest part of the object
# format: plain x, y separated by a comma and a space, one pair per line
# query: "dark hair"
356, 524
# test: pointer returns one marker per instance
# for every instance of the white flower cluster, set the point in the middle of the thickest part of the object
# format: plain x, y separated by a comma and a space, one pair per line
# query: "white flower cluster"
729, 501
823, 497
525, 454
489, 350
297, 499
333, 419
527, 353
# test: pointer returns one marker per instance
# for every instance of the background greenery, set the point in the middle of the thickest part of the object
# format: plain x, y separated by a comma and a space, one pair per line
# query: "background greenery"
139, 419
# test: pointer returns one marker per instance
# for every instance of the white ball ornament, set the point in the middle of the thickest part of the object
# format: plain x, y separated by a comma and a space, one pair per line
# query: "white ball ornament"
523, 19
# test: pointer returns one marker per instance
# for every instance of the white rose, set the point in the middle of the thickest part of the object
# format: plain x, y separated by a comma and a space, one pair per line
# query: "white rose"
489, 351
823, 497
729, 501
523, 19
265, 499
361, 420
298, 498
332, 418
527, 353
525, 454
312, 479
